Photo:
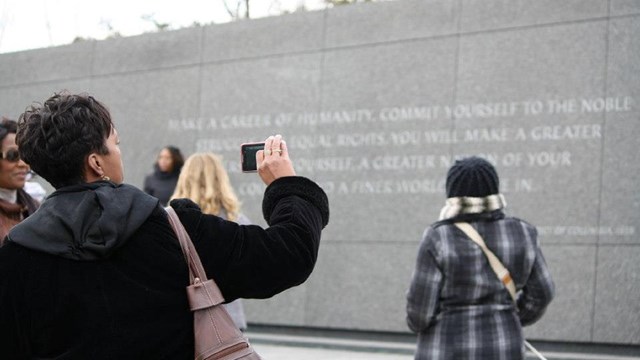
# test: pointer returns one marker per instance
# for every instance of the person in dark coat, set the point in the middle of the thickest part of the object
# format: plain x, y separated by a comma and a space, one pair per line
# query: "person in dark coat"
15, 203
456, 303
162, 182
98, 273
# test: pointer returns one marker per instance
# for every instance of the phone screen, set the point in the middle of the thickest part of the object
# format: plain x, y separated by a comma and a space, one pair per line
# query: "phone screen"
248, 156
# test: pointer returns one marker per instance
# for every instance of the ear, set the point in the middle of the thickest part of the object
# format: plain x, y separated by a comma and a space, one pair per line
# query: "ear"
93, 167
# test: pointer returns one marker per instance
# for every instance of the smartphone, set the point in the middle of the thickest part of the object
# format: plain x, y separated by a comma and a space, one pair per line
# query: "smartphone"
248, 156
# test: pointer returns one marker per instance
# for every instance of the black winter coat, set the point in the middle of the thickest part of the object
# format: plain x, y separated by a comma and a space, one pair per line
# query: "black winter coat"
118, 292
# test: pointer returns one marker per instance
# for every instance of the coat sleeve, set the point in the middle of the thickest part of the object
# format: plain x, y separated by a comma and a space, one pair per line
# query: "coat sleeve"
247, 261
537, 292
13, 322
424, 291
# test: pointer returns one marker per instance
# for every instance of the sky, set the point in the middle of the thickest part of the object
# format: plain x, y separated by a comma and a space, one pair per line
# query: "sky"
32, 24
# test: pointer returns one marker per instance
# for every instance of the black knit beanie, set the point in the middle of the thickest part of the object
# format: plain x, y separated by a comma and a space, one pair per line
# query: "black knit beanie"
472, 177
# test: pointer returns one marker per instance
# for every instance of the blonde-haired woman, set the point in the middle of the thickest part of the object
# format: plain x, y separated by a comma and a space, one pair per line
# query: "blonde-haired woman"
204, 180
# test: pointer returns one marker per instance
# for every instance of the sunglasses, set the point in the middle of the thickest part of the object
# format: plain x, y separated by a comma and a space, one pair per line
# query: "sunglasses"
11, 155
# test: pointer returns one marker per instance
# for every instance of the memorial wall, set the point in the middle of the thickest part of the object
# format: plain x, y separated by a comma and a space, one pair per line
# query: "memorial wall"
375, 102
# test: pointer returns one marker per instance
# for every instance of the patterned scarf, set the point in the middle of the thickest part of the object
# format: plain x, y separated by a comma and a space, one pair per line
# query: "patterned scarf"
472, 205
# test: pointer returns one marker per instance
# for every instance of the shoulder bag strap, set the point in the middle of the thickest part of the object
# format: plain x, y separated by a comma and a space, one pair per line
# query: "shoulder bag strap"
498, 268
496, 264
190, 253
212, 296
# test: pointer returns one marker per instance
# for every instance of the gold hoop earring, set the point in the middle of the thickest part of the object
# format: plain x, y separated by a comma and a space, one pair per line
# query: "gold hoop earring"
105, 178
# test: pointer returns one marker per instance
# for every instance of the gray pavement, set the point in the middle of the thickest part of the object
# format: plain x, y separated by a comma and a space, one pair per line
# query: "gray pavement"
283, 352
288, 352
292, 343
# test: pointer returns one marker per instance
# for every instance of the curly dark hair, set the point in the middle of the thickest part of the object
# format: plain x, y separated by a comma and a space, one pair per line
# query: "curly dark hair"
56, 138
177, 160
7, 126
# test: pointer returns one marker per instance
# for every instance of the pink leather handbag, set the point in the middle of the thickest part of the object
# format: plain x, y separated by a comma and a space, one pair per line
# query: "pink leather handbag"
216, 336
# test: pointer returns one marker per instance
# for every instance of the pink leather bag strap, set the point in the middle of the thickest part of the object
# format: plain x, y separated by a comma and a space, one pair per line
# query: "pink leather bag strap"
198, 277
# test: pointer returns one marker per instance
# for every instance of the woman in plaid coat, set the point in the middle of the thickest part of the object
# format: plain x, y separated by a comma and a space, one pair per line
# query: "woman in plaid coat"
456, 303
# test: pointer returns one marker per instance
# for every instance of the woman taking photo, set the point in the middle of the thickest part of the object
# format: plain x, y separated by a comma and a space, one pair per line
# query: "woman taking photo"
15, 203
98, 273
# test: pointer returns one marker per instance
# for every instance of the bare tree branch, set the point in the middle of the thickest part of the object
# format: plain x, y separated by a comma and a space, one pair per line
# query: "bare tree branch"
229, 11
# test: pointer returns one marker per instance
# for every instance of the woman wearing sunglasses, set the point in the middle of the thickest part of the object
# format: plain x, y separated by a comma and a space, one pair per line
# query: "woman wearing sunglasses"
15, 203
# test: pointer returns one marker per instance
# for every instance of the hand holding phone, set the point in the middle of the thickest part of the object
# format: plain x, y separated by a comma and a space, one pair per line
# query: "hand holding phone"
248, 156
270, 159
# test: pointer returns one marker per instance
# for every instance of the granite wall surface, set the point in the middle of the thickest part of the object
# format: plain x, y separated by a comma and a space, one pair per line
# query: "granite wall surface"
375, 101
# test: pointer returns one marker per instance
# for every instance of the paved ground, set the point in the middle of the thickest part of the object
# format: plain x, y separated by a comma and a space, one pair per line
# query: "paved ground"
276, 352
290, 344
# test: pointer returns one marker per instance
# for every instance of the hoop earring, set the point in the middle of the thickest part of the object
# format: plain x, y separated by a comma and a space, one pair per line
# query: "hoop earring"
105, 178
